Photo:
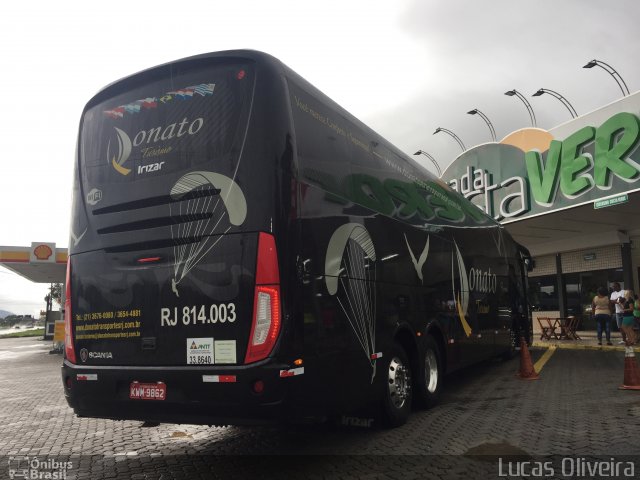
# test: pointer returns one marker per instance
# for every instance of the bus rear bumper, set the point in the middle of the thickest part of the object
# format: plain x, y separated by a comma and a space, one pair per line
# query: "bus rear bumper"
196, 395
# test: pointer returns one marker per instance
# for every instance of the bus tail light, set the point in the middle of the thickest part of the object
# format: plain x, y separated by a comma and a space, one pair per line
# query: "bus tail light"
266, 303
69, 349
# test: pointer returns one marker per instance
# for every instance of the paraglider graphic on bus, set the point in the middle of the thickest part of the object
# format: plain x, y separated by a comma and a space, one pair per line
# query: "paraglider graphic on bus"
350, 276
211, 203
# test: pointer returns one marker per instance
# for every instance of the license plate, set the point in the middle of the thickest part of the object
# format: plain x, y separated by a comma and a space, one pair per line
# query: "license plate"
147, 391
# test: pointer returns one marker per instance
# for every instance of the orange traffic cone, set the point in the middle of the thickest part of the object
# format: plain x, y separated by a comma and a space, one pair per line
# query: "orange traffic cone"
527, 372
631, 371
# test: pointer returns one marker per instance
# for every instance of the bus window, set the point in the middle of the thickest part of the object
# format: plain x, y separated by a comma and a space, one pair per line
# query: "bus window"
180, 121
321, 137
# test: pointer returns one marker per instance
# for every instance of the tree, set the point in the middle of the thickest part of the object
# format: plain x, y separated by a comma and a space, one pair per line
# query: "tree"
56, 293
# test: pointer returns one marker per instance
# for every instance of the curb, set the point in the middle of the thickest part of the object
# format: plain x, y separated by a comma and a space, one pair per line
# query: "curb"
578, 346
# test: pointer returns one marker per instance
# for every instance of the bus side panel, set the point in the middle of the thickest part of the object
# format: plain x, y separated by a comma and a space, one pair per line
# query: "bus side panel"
339, 372
441, 257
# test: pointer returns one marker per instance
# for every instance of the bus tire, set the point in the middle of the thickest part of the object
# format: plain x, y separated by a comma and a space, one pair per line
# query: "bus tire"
430, 375
397, 393
513, 348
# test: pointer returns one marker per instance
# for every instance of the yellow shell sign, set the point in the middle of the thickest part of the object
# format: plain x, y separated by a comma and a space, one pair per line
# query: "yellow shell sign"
42, 252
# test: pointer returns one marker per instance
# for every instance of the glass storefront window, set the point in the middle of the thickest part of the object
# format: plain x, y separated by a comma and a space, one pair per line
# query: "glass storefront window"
580, 288
542, 293
573, 289
589, 284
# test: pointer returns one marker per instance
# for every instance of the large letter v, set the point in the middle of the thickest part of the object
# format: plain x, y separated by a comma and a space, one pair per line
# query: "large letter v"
418, 264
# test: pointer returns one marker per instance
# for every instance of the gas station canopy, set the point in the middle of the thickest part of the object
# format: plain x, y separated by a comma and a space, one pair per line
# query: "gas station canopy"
40, 263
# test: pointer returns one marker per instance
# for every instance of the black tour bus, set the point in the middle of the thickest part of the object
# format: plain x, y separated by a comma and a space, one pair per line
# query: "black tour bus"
243, 250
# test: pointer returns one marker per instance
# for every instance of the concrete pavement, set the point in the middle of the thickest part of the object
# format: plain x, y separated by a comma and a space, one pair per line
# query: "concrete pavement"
574, 412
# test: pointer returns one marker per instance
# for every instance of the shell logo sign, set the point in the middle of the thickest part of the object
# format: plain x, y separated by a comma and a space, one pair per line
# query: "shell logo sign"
42, 252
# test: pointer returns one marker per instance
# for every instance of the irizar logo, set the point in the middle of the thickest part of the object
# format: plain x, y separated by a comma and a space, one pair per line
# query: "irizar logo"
120, 146
152, 167
357, 421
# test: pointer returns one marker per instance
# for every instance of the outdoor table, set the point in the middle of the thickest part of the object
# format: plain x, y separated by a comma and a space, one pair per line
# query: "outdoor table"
548, 327
568, 328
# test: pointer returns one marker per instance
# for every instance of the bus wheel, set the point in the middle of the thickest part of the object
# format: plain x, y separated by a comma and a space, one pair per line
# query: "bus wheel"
429, 381
513, 348
397, 396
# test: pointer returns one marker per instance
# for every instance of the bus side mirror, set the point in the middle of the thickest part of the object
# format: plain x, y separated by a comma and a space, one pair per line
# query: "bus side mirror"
530, 263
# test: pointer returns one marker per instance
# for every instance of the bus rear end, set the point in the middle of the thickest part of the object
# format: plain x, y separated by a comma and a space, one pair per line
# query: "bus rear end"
174, 309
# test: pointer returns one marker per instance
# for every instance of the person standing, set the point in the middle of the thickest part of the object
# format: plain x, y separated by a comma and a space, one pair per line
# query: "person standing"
617, 299
636, 315
600, 306
628, 320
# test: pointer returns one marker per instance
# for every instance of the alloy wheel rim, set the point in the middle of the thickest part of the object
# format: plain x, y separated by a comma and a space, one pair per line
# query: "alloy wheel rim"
399, 383
431, 371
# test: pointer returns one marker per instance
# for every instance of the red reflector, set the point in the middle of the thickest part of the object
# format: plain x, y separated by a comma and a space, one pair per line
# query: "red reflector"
69, 349
219, 379
292, 372
148, 259
267, 264
258, 386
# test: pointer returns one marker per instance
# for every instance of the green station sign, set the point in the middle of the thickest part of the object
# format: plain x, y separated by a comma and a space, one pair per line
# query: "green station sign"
595, 160
610, 202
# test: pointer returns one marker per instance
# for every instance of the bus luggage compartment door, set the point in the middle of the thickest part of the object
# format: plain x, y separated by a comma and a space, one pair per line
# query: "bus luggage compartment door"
145, 307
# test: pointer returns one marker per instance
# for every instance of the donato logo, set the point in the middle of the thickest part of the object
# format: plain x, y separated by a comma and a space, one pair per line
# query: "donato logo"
472, 280
120, 145
120, 152
482, 281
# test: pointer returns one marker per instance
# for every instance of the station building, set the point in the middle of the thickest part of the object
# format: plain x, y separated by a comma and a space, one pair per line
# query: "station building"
571, 195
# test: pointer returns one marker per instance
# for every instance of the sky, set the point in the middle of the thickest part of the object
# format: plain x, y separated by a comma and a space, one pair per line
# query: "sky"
403, 67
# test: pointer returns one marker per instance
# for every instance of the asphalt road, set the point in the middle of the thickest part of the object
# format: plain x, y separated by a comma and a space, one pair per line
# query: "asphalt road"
488, 422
